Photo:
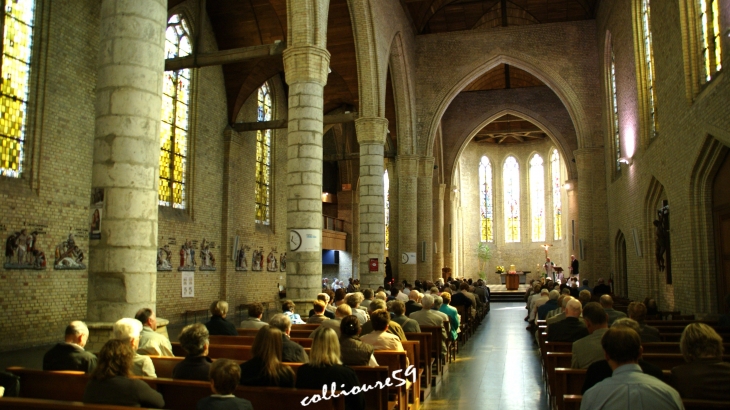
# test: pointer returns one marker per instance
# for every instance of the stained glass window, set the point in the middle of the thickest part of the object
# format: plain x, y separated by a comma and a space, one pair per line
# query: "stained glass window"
386, 201
175, 117
263, 158
511, 179
485, 199
16, 53
614, 114
557, 201
649, 61
711, 43
537, 198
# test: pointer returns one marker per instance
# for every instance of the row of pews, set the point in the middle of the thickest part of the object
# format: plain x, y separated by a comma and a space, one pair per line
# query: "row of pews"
564, 384
64, 390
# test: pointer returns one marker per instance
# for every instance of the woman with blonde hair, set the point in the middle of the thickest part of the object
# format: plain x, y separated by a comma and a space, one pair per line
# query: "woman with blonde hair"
325, 368
265, 367
111, 383
705, 375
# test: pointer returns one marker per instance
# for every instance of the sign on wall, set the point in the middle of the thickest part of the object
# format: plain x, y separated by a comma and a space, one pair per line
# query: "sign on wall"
408, 258
304, 240
188, 284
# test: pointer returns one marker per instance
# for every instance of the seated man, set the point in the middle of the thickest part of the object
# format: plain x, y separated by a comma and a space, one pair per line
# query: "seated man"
218, 325
412, 305
379, 338
607, 303
128, 330
196, 365
368, 296
152, 343
255, 313
429, 317
588, 350
71, 355
535, 304
353, 300
648, 334
291, 352
393, 327
408, 325
601, 289
288, 309
705, 375
319, 310
342, 312
225, 375
569, 329
548, 306
629, 387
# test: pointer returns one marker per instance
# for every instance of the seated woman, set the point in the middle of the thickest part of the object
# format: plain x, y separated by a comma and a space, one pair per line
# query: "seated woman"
288, 309
111, 383
325, 368
319, 311
705, 375
218, 325
353, 352
324, 297
196, 365
265, 367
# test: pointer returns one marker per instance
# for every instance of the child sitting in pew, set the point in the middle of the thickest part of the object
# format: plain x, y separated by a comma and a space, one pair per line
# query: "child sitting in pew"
225, 375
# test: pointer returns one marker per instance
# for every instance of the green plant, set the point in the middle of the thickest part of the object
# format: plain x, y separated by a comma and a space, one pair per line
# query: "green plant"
484, 253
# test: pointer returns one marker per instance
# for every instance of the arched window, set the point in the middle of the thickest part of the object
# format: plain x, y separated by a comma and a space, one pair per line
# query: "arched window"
648, 68
263, 158
557, 202
614, 114
537, 198
386, 201
175, 117
485, 199
16, 54
511, 179
711, 43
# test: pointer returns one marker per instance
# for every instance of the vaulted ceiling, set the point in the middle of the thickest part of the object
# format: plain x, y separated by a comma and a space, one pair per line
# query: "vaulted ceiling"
438, 16
509, 129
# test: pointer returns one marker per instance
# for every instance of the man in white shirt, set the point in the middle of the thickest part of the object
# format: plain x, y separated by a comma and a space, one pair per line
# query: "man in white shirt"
379, 338
151, 343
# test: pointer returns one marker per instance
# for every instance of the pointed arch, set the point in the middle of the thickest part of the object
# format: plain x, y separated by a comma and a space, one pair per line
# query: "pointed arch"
370, 81
656, 284
621, 279
404, 101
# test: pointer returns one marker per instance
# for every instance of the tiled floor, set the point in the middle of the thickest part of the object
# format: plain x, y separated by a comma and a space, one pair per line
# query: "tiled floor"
499, 368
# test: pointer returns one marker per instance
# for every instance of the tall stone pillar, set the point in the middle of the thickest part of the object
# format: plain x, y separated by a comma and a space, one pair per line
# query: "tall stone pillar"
438, 232
393, 254
407, 214
122, 269
425, 218
306, 65
371, 133
593, 219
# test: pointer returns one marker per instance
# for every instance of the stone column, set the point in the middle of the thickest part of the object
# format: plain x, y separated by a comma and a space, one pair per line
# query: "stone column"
593, 219
438, 232
407, 213
122, 268
371, 133
393, 254
425, 217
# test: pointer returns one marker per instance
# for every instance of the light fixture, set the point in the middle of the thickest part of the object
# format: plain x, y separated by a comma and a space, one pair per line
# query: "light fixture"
567, 186
625, 160
456, 190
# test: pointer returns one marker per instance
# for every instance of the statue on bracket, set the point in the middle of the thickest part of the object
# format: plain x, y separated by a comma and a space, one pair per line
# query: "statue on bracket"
241, 262
21, 251
271, 262
662, 240
187, 257
282, 262
164, 259
206, 257
69, 255
257, 262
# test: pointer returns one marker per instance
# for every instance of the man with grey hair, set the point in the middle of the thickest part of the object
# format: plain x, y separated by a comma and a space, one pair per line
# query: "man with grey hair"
393, 326
548, 306
128, 330
571, 328
399, 309
353, 300
151, 343
70, 355
341, 312
428, 317
291, 352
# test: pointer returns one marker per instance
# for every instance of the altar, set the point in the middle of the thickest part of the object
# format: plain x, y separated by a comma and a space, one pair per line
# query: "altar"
522, 277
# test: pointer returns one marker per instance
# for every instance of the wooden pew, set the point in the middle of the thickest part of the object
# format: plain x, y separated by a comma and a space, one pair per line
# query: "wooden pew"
308, 326
248, 340
37, 384
572, 402
233, 352
395, 361
24, 403
412, 349
436, 339
426, 361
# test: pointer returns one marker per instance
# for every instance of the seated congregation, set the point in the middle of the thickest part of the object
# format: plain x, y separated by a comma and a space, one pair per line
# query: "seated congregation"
601, 354
370, 350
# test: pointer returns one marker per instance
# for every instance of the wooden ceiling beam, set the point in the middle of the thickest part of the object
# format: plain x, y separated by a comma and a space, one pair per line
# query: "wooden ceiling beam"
235, 55
281, 124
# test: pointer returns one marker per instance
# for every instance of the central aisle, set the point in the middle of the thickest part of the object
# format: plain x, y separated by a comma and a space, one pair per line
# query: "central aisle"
499, 368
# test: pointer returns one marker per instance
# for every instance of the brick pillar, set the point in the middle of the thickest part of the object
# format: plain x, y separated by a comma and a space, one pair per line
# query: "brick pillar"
371, 133
425, 217
438, 232
122, 269
593, 219
407, 213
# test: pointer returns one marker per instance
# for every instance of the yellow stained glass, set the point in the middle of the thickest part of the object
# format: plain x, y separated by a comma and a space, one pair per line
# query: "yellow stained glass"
710, 37
511, 178
557, 201
263, 157
485, 199
649, 61
386, 202
175, 117
537, 198
17, 47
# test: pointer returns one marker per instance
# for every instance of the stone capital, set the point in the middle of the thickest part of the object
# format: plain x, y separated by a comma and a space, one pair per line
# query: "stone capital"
425, 167
407, 165
306, 64
371, 130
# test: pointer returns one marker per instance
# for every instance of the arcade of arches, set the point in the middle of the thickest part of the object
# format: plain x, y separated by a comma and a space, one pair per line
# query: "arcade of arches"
158, 132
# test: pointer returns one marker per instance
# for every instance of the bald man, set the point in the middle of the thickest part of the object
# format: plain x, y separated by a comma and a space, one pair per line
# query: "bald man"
70, 355
571, 328
412, 305
613, 314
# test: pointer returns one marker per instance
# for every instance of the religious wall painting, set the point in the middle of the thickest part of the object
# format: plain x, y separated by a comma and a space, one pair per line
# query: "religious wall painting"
22, 251
68, 255
207, 260
241, 262
187, 257
272, 265
282, 262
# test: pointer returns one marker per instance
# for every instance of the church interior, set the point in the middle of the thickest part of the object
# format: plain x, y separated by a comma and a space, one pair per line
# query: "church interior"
165, 154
